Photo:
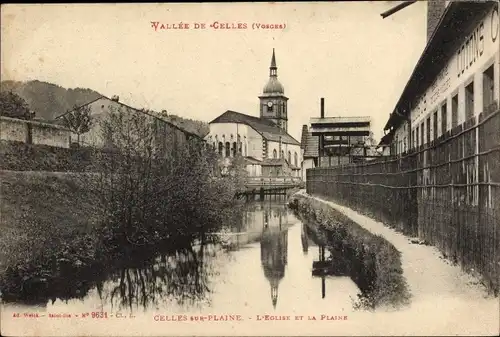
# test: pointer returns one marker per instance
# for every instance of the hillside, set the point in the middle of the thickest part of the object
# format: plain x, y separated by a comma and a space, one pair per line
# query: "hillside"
49, 100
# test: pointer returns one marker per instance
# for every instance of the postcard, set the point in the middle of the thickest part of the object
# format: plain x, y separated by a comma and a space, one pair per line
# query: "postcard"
250, 169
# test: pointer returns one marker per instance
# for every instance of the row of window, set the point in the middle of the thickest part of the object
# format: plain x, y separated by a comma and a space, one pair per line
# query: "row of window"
295, 157
432, 127
229, 150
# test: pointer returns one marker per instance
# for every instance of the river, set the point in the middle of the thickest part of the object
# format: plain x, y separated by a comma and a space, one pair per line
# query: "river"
263, 267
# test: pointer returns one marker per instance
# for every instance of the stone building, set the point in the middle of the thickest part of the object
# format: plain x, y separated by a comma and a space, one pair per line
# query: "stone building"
263, 141
456, 78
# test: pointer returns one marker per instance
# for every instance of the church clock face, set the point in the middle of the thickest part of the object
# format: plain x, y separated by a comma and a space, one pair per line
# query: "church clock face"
270, 104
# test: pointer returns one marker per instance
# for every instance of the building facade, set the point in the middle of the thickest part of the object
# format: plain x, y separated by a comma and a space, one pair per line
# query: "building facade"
456, 78
263, 141
165, 136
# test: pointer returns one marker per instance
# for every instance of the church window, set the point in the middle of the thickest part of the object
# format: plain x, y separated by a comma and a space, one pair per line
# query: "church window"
233, 150
295, 160
245, 149
282, 154
228, 149
269, 108
289, 157
221, 148
275, 154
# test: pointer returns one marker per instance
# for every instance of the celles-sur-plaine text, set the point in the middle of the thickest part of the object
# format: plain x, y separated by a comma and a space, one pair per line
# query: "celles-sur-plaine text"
158, 26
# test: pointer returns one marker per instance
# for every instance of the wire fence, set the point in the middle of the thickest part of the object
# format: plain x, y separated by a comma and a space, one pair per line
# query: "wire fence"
446, 192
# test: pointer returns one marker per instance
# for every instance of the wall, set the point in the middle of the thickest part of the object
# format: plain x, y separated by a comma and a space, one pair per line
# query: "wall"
166, 137
307, 164
251, 140
483, 44
285, 147
14, 129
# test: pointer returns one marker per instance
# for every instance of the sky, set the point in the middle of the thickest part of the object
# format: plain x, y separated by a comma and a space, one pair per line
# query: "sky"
342, 51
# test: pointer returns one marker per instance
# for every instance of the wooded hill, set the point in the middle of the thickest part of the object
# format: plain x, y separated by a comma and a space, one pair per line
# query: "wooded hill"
49, 100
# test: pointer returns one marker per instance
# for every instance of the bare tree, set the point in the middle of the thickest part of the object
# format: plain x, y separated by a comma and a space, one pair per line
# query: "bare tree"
79, 120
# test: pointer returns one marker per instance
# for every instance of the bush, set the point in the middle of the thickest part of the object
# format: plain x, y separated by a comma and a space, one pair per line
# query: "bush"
378, 260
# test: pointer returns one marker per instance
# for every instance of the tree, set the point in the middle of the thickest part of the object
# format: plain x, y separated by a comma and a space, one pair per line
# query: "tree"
13, 105
79, 120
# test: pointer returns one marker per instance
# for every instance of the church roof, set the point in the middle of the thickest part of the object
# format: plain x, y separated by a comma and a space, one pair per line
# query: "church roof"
266, 128
273, 85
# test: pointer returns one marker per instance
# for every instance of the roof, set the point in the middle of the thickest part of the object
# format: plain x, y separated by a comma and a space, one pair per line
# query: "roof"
350, 125
137, 110
252, 160
310, 145
451, 28
273, 162
266, 128
341, 130
386, 139
341, 120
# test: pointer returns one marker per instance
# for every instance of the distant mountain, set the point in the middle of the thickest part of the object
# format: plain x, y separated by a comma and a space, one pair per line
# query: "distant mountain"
49, 100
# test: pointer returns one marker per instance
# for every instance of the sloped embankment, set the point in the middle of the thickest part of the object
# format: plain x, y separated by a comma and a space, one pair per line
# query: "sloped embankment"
376, 262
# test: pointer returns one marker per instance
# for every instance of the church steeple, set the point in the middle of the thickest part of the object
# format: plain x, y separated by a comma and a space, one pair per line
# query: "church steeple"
273, 102
273, 69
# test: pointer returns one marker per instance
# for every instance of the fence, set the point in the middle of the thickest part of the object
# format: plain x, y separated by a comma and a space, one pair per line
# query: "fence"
446, 192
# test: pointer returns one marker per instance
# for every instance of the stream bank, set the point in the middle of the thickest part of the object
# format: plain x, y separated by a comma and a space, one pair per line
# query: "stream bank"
373, 262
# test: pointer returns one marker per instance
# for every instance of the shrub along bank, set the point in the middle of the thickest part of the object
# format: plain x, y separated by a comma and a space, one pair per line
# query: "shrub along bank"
375, 263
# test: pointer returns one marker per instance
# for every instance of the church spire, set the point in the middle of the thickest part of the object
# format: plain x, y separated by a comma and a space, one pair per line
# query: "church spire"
273, 69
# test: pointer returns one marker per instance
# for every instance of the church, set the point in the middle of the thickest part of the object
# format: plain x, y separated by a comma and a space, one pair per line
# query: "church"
263, 142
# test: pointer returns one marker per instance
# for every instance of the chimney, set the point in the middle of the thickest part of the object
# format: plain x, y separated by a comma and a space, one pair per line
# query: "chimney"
322, 107
435, 9
115, 98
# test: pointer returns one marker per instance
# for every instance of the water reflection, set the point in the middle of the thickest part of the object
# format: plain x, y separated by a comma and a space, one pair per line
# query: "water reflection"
263, 245
183, 277
273, 256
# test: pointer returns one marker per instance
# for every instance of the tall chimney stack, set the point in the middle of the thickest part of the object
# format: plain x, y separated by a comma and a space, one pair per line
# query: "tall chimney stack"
322, 107
435, 9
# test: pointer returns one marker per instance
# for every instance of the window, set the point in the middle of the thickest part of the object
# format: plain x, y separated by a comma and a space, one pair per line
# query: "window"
454, 111
422, 133
289, 157
417, 135
295, 160
469, 101
413, 138
221, 148
269, 108
228, 149
435, 125
282, 154
275, 154
233, 150
488, 87
428, 130
444, 118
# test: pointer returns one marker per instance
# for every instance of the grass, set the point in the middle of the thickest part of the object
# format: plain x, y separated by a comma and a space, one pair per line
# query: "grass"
388, 286
38, 208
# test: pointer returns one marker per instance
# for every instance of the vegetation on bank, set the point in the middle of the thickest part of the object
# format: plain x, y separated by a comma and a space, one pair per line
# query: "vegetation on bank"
130, 203
379, 272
